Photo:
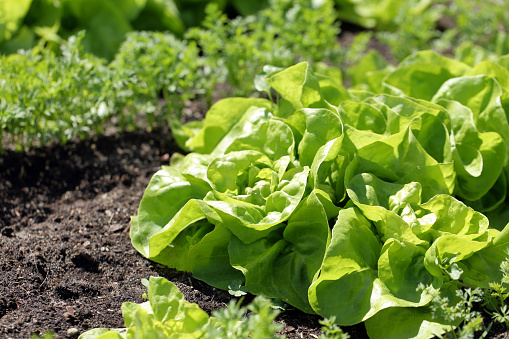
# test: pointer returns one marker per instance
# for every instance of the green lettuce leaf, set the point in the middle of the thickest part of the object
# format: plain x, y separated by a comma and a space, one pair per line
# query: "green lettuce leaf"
415, 323
483, 267
166, 315
363, 73
298, 87
481, 94
363, 116
444, 215
401, 158
250, 196
477, 155
220, 120
313, 128
283, 264
498, 72
102, 333
272, 138
421, 74
380, 202
357, 264
168, 191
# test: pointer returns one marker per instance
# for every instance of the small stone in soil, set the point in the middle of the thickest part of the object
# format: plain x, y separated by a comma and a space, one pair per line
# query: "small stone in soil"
115, 228
72, 332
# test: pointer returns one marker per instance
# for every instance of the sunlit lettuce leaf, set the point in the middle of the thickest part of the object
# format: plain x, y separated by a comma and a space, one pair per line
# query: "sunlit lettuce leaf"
503, 61
481, 94
193, 240
328, 168
249, 194
272, 138
472, 54
363, 116
220, 120
381, 203
299, 88
355, 263
444, 254
167, 192
209, 259
370, 63
183, 132
401, 158
283, 264
332, 159
499, 73
478, 161
313, 128
330, 80
11, 14
414, 323
400, 112
483, 267
421, 74
102, 333
444, 215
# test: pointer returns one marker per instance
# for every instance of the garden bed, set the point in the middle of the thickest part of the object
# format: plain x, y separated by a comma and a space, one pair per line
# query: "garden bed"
67, 262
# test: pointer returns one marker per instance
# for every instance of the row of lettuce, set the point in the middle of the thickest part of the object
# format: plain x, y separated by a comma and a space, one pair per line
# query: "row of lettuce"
358, 204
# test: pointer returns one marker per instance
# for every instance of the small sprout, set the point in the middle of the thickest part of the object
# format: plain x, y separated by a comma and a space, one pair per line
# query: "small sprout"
236, 289
330, 330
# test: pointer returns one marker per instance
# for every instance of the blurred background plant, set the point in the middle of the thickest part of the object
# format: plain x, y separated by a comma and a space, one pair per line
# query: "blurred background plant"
28, 23
285, 33
59, 89
68, 66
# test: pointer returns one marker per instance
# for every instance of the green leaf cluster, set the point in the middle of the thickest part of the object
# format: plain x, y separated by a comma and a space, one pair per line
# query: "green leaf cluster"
167, 314
474, 30
51, 22
281, 35
480, 25
29, 23
45, 98
153, 65
383, 15
343, 202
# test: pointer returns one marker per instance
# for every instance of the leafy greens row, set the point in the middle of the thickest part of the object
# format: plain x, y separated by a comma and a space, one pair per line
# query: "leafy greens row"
344, 202
45, 96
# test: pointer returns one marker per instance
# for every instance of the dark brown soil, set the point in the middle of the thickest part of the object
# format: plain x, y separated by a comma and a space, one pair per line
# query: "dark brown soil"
67, 263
